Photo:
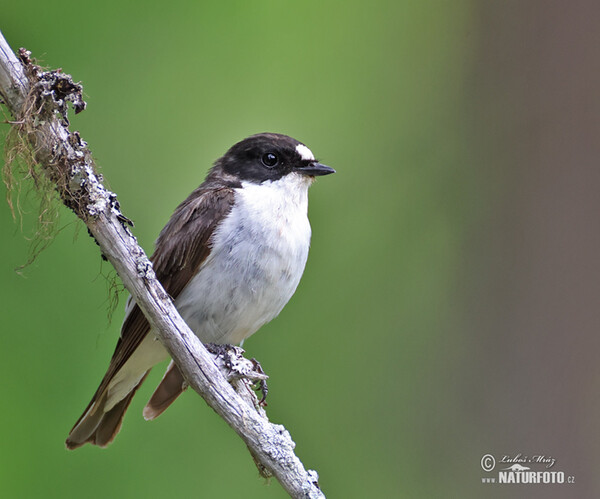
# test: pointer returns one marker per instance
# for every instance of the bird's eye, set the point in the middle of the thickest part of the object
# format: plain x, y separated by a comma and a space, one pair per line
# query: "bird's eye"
270, 159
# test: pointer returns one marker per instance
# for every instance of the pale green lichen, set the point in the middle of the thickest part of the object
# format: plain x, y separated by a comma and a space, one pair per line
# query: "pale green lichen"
23, 178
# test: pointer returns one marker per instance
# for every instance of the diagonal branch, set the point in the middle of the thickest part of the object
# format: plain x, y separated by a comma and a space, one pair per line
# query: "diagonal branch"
38, 102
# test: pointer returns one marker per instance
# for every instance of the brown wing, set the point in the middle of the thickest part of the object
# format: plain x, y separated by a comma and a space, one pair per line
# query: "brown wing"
181, 247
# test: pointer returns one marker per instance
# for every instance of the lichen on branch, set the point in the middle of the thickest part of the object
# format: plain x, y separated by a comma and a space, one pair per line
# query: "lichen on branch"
60, 170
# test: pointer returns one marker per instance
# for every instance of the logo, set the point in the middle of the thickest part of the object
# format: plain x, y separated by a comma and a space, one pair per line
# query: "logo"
488, 463
523, 469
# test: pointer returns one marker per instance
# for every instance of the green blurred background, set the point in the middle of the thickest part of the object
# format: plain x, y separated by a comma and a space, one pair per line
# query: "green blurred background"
449, 308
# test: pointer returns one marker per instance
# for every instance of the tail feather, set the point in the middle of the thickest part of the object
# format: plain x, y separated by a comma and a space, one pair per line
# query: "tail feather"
97, 426
171, 386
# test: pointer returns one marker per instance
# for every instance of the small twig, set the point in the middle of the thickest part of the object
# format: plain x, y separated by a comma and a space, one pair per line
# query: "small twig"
38, 102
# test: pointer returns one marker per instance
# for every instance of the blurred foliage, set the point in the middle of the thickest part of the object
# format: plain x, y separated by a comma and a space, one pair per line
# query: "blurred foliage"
364, 361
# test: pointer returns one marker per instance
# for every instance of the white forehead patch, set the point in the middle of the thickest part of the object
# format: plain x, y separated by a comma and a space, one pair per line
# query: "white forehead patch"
305, 153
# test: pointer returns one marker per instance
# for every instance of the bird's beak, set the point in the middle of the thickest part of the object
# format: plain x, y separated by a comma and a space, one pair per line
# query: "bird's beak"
316, 169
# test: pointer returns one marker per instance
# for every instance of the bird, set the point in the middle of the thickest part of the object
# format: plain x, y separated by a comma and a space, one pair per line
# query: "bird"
231, 256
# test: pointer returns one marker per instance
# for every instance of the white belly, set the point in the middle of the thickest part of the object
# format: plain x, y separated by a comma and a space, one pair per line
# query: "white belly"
257, 259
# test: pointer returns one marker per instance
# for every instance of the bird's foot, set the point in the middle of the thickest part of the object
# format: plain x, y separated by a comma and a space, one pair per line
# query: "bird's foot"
239, 367
220, 349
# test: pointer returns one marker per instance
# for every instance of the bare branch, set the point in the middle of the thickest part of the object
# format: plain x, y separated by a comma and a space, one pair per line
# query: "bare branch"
38, 102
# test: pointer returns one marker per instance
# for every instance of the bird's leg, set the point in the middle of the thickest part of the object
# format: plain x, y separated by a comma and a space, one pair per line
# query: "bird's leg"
262, 384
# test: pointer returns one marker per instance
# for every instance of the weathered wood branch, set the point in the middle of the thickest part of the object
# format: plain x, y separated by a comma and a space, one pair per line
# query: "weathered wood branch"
38, 102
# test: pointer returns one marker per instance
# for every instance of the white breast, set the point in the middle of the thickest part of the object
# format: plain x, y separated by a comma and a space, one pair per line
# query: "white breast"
258, 256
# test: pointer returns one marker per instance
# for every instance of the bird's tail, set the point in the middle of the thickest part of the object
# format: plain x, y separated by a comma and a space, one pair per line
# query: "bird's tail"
102, 419
171, 386
97, 425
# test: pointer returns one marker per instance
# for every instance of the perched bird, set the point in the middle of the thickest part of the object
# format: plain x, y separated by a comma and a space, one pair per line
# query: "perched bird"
231, 257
